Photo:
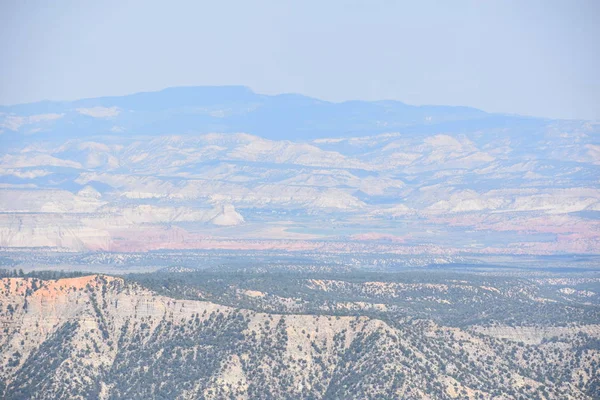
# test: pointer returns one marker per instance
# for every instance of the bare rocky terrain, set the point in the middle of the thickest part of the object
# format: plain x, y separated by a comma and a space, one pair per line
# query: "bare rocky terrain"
103, 337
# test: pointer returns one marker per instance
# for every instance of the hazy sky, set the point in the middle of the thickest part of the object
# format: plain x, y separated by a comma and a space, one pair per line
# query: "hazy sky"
526, 56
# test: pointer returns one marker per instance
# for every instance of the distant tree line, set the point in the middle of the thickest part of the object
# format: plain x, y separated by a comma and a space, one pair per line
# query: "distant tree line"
44, 275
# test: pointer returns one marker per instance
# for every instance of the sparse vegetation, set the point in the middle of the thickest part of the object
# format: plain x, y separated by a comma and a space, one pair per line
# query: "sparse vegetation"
227, 335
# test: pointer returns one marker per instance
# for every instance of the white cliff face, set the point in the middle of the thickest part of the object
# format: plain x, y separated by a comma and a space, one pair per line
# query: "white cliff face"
227, 216
83, 231
51, 231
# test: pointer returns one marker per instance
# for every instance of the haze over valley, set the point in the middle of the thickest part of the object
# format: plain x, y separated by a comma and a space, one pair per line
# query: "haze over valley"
227, 168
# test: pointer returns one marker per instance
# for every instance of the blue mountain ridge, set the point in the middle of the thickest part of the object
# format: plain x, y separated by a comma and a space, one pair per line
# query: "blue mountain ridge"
188, 110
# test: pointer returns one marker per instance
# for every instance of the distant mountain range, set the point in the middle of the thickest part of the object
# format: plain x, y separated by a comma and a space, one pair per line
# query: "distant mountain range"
229, 109
224, 167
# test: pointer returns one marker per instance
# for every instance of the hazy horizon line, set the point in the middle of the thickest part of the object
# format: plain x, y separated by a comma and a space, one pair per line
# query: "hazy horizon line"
350, 100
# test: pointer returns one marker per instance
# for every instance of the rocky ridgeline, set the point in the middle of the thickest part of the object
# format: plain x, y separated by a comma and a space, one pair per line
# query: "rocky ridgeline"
102, 337
537, 334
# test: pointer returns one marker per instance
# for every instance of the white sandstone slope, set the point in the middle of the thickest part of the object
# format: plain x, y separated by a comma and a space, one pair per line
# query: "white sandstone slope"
53, 231
227, 216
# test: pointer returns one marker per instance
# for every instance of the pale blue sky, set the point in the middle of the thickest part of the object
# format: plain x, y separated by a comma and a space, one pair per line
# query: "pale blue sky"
529, 57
